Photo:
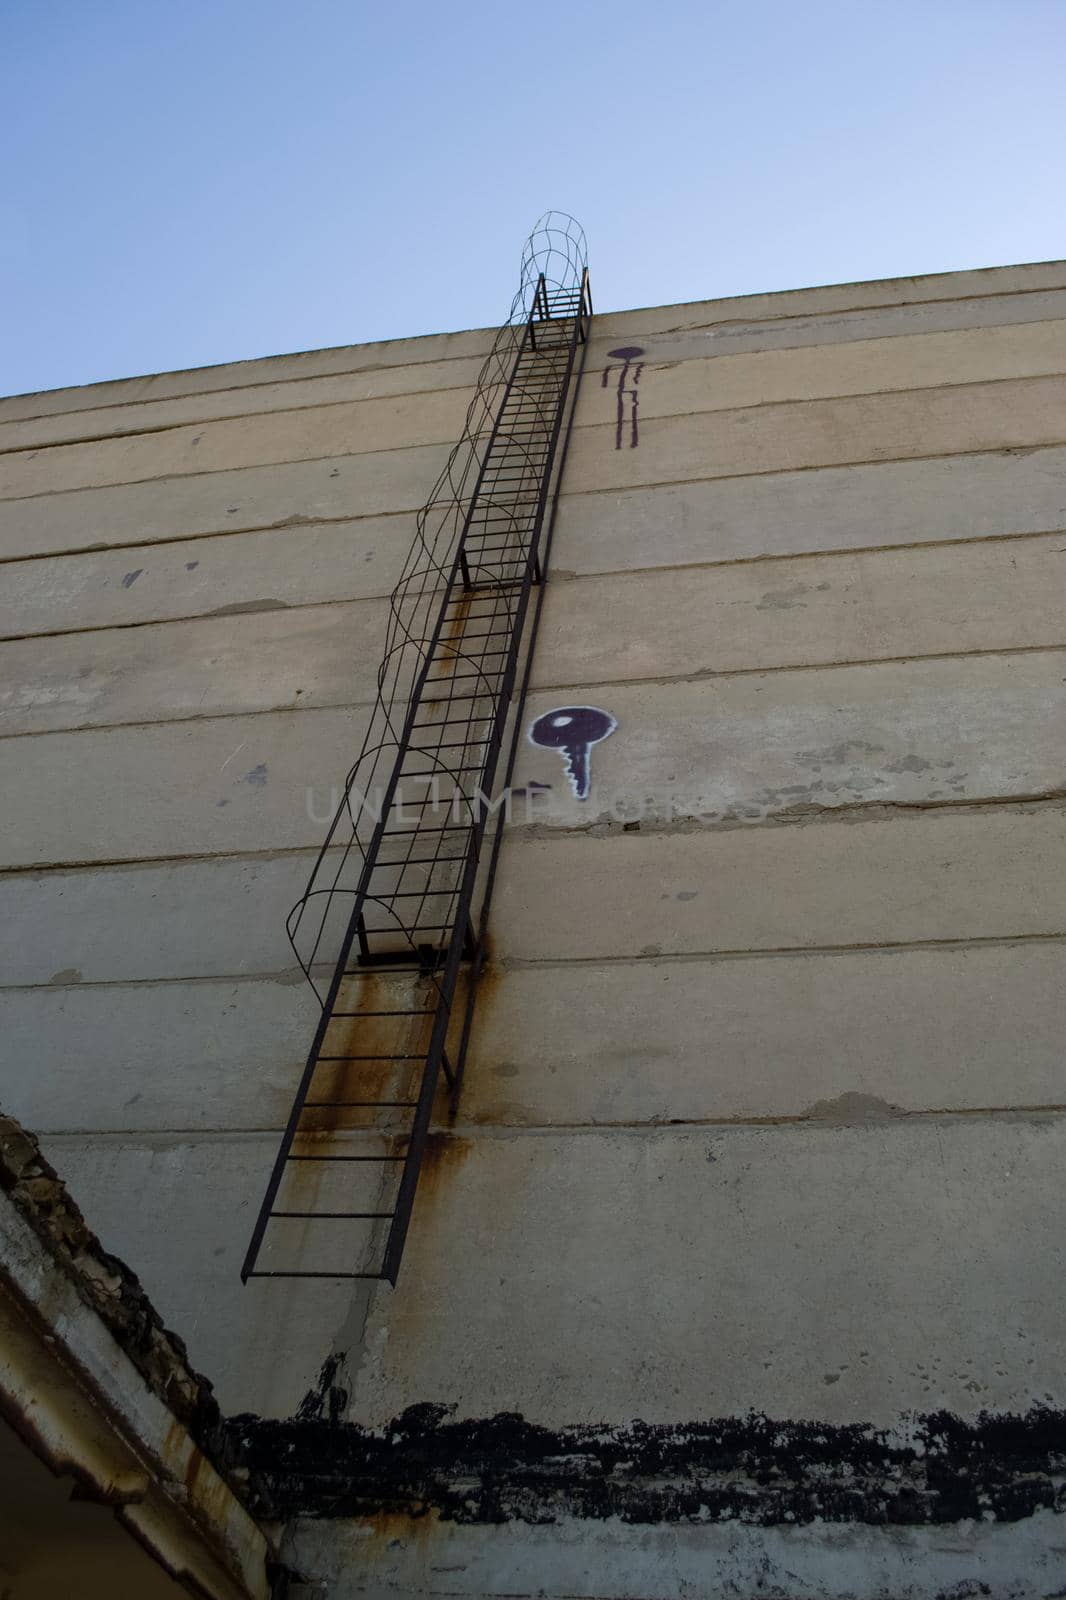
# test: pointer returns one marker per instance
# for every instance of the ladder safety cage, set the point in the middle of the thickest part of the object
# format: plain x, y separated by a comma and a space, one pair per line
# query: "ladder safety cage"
390, 930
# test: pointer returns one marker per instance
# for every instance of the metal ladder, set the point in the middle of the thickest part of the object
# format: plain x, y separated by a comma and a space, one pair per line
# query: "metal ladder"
417, 919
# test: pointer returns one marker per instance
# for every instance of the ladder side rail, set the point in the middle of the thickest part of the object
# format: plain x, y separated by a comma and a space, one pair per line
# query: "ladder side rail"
423, 1114
516, 735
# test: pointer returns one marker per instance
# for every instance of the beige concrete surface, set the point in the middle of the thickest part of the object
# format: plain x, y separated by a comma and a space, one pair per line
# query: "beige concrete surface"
784, 744
260, 660
299, 366
958, 874
791, 513
430, 415
265, 656
211, 918
788, 612
133, 417
844, 1036
376, 484
351, 428
613, 1560
963, 418
841, 1036
798, 1271
865, 366
236, 391
735, 336
295, 565
182, 789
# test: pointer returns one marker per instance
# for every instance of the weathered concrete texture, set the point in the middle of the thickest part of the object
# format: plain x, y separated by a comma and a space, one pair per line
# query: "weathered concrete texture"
953, 875
670, 624
852, 508
136, 1057
299, 366
183, 789
1027, 280
379, 483
775, 744
193, 919
262, 1344
864, 366
825, 433
847, 1036
292, 566
354, 427
798, 1271
117, 1057
750, 335
839, 297
250, 397
933, 600
312, 431
267, 659
215, 917
850, 1036
132, 417
943, 875
616, 1561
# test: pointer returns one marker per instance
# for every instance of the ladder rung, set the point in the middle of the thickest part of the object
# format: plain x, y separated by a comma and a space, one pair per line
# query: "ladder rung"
417, 1057
334, 1216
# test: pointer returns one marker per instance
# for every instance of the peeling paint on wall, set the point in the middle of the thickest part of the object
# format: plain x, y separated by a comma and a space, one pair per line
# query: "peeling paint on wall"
934, 1469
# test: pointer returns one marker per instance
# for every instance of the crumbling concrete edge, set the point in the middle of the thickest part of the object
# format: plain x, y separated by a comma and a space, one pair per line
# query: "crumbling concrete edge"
101, 1391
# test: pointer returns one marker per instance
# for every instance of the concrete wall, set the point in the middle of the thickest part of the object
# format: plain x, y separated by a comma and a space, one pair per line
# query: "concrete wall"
764, 1102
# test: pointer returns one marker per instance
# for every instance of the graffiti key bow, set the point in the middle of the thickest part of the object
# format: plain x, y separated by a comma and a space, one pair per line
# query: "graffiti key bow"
573, 730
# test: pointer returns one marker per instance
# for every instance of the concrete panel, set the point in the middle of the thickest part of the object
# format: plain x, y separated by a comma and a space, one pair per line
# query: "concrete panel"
103, 422
888, 604
824, 433
951, 875
108, 1058
188, 788
154, 1057
193, 577
870, 366
834, 1037
839, 297
614, 1560
221, 502
1001, 595
356, 427
195, 1200
188, 920
298, 367
896, 503
782, 333
911, 733
191, 919
828, 1036
401, 406
839, 1273
1029, 279
849, 508
779, 744
263, 661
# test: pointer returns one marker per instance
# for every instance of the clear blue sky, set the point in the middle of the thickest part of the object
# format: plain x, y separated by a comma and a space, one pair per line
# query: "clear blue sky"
208, 180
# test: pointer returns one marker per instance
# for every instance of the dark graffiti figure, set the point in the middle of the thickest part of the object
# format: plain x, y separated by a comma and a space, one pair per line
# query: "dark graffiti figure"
628, 355
573, 730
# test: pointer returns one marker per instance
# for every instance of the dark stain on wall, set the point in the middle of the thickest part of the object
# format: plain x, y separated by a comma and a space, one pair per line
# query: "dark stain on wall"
748, 1469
